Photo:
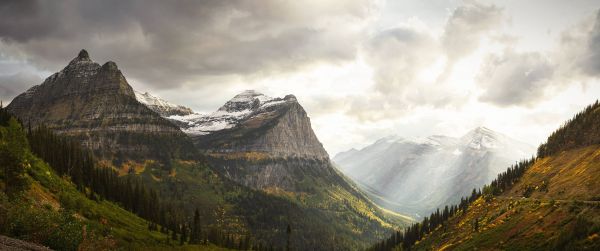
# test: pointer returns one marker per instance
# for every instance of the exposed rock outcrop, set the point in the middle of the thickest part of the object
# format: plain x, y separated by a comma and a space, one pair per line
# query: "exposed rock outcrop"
96, 105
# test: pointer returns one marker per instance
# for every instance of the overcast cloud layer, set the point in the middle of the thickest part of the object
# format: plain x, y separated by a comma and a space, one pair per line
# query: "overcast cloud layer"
363, 69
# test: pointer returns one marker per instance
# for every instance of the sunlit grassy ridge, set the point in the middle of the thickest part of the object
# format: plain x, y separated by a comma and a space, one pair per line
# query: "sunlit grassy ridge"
569, 175
553, 206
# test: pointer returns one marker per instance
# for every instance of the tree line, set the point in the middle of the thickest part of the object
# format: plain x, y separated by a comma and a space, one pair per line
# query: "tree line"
582, 130
415, 232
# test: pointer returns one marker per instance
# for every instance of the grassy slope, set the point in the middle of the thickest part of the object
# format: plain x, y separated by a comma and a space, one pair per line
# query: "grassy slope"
107, 225
561, 213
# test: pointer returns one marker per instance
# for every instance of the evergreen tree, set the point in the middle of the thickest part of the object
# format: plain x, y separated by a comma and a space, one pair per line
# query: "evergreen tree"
183, 236
13, 157
196, 229
289, 235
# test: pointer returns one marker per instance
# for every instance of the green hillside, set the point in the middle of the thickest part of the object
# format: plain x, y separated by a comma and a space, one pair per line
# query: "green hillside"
38, 205
263, 216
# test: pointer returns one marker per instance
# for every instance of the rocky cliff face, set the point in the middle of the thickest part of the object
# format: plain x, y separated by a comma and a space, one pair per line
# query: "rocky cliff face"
253, 122
260, 141
95, 104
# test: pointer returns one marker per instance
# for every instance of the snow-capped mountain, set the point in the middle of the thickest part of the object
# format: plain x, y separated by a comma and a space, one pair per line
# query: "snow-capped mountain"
161, 106
419, 175
240, 107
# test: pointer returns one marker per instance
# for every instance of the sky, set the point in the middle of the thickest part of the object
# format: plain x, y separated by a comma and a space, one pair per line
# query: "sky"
362, 69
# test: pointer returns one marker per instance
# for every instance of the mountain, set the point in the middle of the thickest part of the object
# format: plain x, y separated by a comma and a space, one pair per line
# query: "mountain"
418, 175
94, 104
254, 122
553, 205
267, 144
271, 136
265, 170
161, 106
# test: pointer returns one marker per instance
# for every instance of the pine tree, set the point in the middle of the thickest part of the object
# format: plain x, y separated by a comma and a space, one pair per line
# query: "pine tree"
13, 150
183, 236
289, 235
196, 228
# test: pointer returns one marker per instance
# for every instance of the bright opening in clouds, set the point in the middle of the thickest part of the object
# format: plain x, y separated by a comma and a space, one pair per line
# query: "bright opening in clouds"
362, 69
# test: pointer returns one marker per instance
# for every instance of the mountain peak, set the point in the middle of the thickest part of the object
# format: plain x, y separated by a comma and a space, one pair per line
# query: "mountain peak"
110, 66
483, 129
83, 54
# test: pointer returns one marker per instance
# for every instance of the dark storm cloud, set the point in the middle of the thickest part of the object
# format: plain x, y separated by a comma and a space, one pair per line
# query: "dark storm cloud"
14, 84
166, 43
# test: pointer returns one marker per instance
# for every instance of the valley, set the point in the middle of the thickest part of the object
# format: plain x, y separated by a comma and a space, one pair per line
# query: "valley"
363, 125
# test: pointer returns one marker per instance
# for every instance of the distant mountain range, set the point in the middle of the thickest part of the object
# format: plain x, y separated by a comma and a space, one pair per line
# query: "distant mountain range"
417, 176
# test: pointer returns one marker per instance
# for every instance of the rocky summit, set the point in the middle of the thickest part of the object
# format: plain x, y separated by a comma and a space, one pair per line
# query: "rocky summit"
273, 138
254, 122
94, 104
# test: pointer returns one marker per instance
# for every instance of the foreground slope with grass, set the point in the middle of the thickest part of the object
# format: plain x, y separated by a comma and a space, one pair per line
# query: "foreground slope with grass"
554, 205
39, 206
551, 202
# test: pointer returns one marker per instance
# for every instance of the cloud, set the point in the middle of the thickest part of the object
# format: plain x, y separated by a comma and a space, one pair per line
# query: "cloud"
166, 45
466, 25
526, 78
397, 55
14, 84
515, 78
590, 62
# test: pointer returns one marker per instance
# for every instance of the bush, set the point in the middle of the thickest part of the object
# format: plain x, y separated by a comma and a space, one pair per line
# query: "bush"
58, 230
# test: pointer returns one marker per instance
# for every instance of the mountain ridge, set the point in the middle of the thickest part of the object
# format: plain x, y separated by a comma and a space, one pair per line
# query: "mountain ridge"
94, 104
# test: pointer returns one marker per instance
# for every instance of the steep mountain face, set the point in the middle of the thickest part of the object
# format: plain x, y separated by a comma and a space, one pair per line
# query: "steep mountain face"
417, 176
95, 104
253, 122
161, 106
271, 136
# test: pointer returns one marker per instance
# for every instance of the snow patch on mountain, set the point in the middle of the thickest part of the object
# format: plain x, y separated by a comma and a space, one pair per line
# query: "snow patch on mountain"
242, 106
161, 106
